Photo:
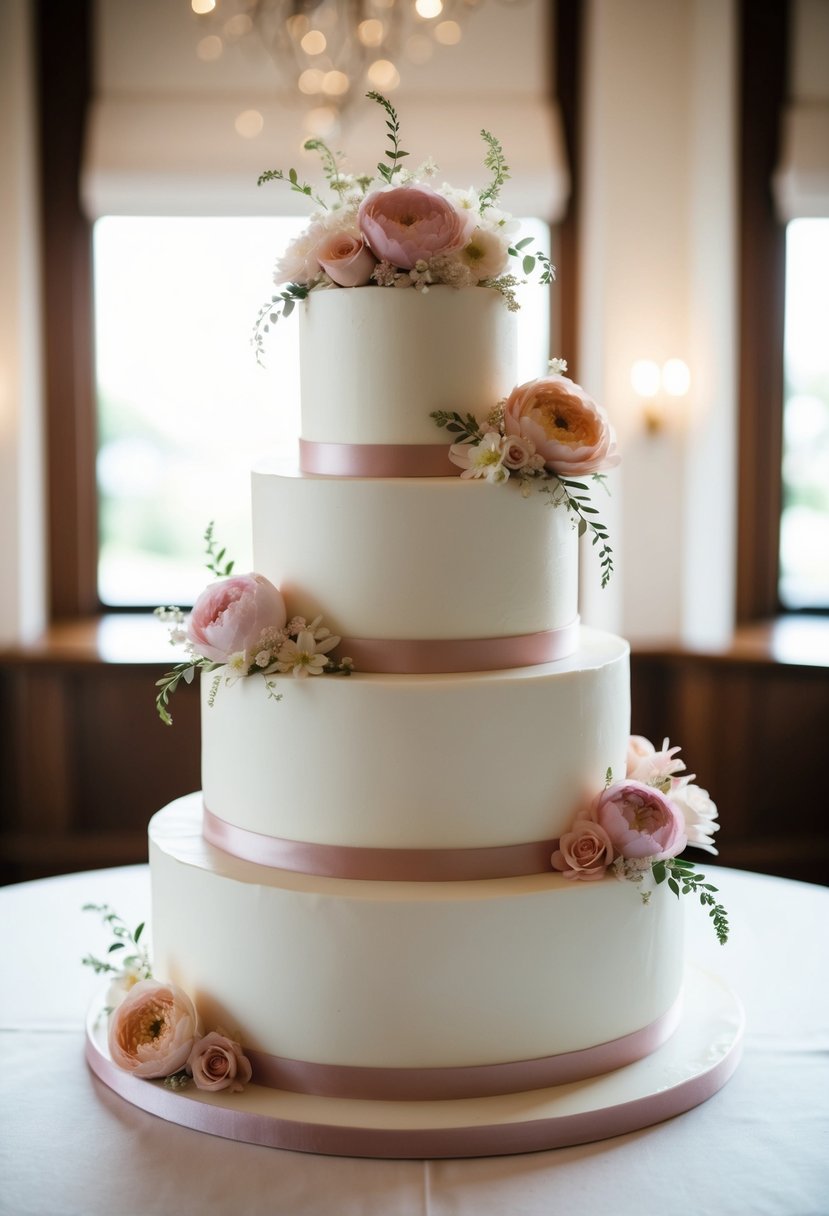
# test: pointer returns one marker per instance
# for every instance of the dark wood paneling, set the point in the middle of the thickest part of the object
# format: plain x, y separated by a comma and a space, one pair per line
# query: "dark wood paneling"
755, 734
85, 763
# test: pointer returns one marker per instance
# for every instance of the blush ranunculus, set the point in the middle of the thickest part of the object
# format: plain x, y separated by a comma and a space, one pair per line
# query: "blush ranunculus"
217, 1062
408, 224
640, 821
151, 1032
584, 852
569, 430
346, 260
230, 616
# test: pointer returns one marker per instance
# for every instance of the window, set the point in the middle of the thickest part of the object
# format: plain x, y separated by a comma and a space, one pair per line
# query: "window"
804, 531
183, 409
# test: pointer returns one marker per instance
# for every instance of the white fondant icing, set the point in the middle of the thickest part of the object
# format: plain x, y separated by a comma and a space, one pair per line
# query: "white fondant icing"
415, 975
415, 558
455, 761
374, 362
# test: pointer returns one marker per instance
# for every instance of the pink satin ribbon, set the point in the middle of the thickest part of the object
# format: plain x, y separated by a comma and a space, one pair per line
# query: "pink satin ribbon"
445, 656
371, 864
374, 1138
376, 459
475, 1081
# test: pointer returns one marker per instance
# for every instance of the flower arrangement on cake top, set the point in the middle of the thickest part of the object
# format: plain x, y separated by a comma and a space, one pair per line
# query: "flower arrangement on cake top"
637, 827
546, 432
399, 229
154, 1029
241, 624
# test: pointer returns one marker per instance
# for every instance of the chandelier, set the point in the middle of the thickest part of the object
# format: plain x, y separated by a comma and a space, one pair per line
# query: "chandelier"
332, 51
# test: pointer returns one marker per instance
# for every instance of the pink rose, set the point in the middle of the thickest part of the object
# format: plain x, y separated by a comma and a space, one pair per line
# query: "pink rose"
517, 452
584, 852
346, 260
640, 821
569, 430
231, 616
151, 1032
217, 1062
408, 224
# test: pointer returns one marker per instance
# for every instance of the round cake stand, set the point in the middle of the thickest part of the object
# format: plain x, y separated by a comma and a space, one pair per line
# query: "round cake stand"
695, 1062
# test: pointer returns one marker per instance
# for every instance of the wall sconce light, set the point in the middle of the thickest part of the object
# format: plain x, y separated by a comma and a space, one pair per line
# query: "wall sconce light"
656, 387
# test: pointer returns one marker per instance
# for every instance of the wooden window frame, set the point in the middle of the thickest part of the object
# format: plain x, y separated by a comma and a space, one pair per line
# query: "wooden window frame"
763, 68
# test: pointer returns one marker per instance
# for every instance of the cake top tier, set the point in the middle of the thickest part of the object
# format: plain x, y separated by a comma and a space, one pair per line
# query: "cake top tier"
400, 228
375, 364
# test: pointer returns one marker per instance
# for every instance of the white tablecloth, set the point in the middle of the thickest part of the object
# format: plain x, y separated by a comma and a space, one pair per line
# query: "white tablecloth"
70, 1147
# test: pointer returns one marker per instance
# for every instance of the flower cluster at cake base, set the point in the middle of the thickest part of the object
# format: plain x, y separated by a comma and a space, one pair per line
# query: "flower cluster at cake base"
547, 433
398, 229
636, 829
154, 1031
240, 624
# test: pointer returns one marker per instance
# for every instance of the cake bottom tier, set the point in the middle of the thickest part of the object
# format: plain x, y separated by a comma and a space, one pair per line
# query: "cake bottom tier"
343, 986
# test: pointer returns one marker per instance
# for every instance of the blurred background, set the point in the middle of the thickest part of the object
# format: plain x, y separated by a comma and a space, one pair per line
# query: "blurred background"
673, 155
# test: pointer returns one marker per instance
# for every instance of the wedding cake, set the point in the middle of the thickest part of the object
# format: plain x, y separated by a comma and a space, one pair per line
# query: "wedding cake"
437, 874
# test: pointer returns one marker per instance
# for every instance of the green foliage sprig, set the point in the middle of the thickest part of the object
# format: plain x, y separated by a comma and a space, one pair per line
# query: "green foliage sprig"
395, 154
498, 167
575, 497
466, 426
528, 260
292, 178
281, 305
138, 960
216, 558
683, 879
170, 682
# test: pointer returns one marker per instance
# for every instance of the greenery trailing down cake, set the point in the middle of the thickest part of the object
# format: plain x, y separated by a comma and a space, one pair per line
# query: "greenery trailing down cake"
453, 875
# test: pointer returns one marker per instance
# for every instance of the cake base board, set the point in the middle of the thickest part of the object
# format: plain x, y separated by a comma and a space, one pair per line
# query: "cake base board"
695, 1062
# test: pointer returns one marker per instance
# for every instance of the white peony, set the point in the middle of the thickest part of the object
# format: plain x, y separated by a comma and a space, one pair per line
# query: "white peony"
699, 813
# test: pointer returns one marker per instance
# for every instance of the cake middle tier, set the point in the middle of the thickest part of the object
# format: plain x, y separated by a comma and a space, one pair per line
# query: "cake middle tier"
477, 760
412, 558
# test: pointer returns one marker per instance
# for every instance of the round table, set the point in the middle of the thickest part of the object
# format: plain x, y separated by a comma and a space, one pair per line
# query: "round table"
68, 1145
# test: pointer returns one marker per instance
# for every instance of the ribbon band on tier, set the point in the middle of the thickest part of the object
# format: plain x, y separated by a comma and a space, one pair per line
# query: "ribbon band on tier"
376, 459
454, 656
470, 1081
378, 865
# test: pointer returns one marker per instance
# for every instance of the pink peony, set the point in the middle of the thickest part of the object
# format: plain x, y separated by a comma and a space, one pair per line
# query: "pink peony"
230, 617
640, 821
217, 1062
568, 429
151, 1032
408, 224
584, 852
346, 260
